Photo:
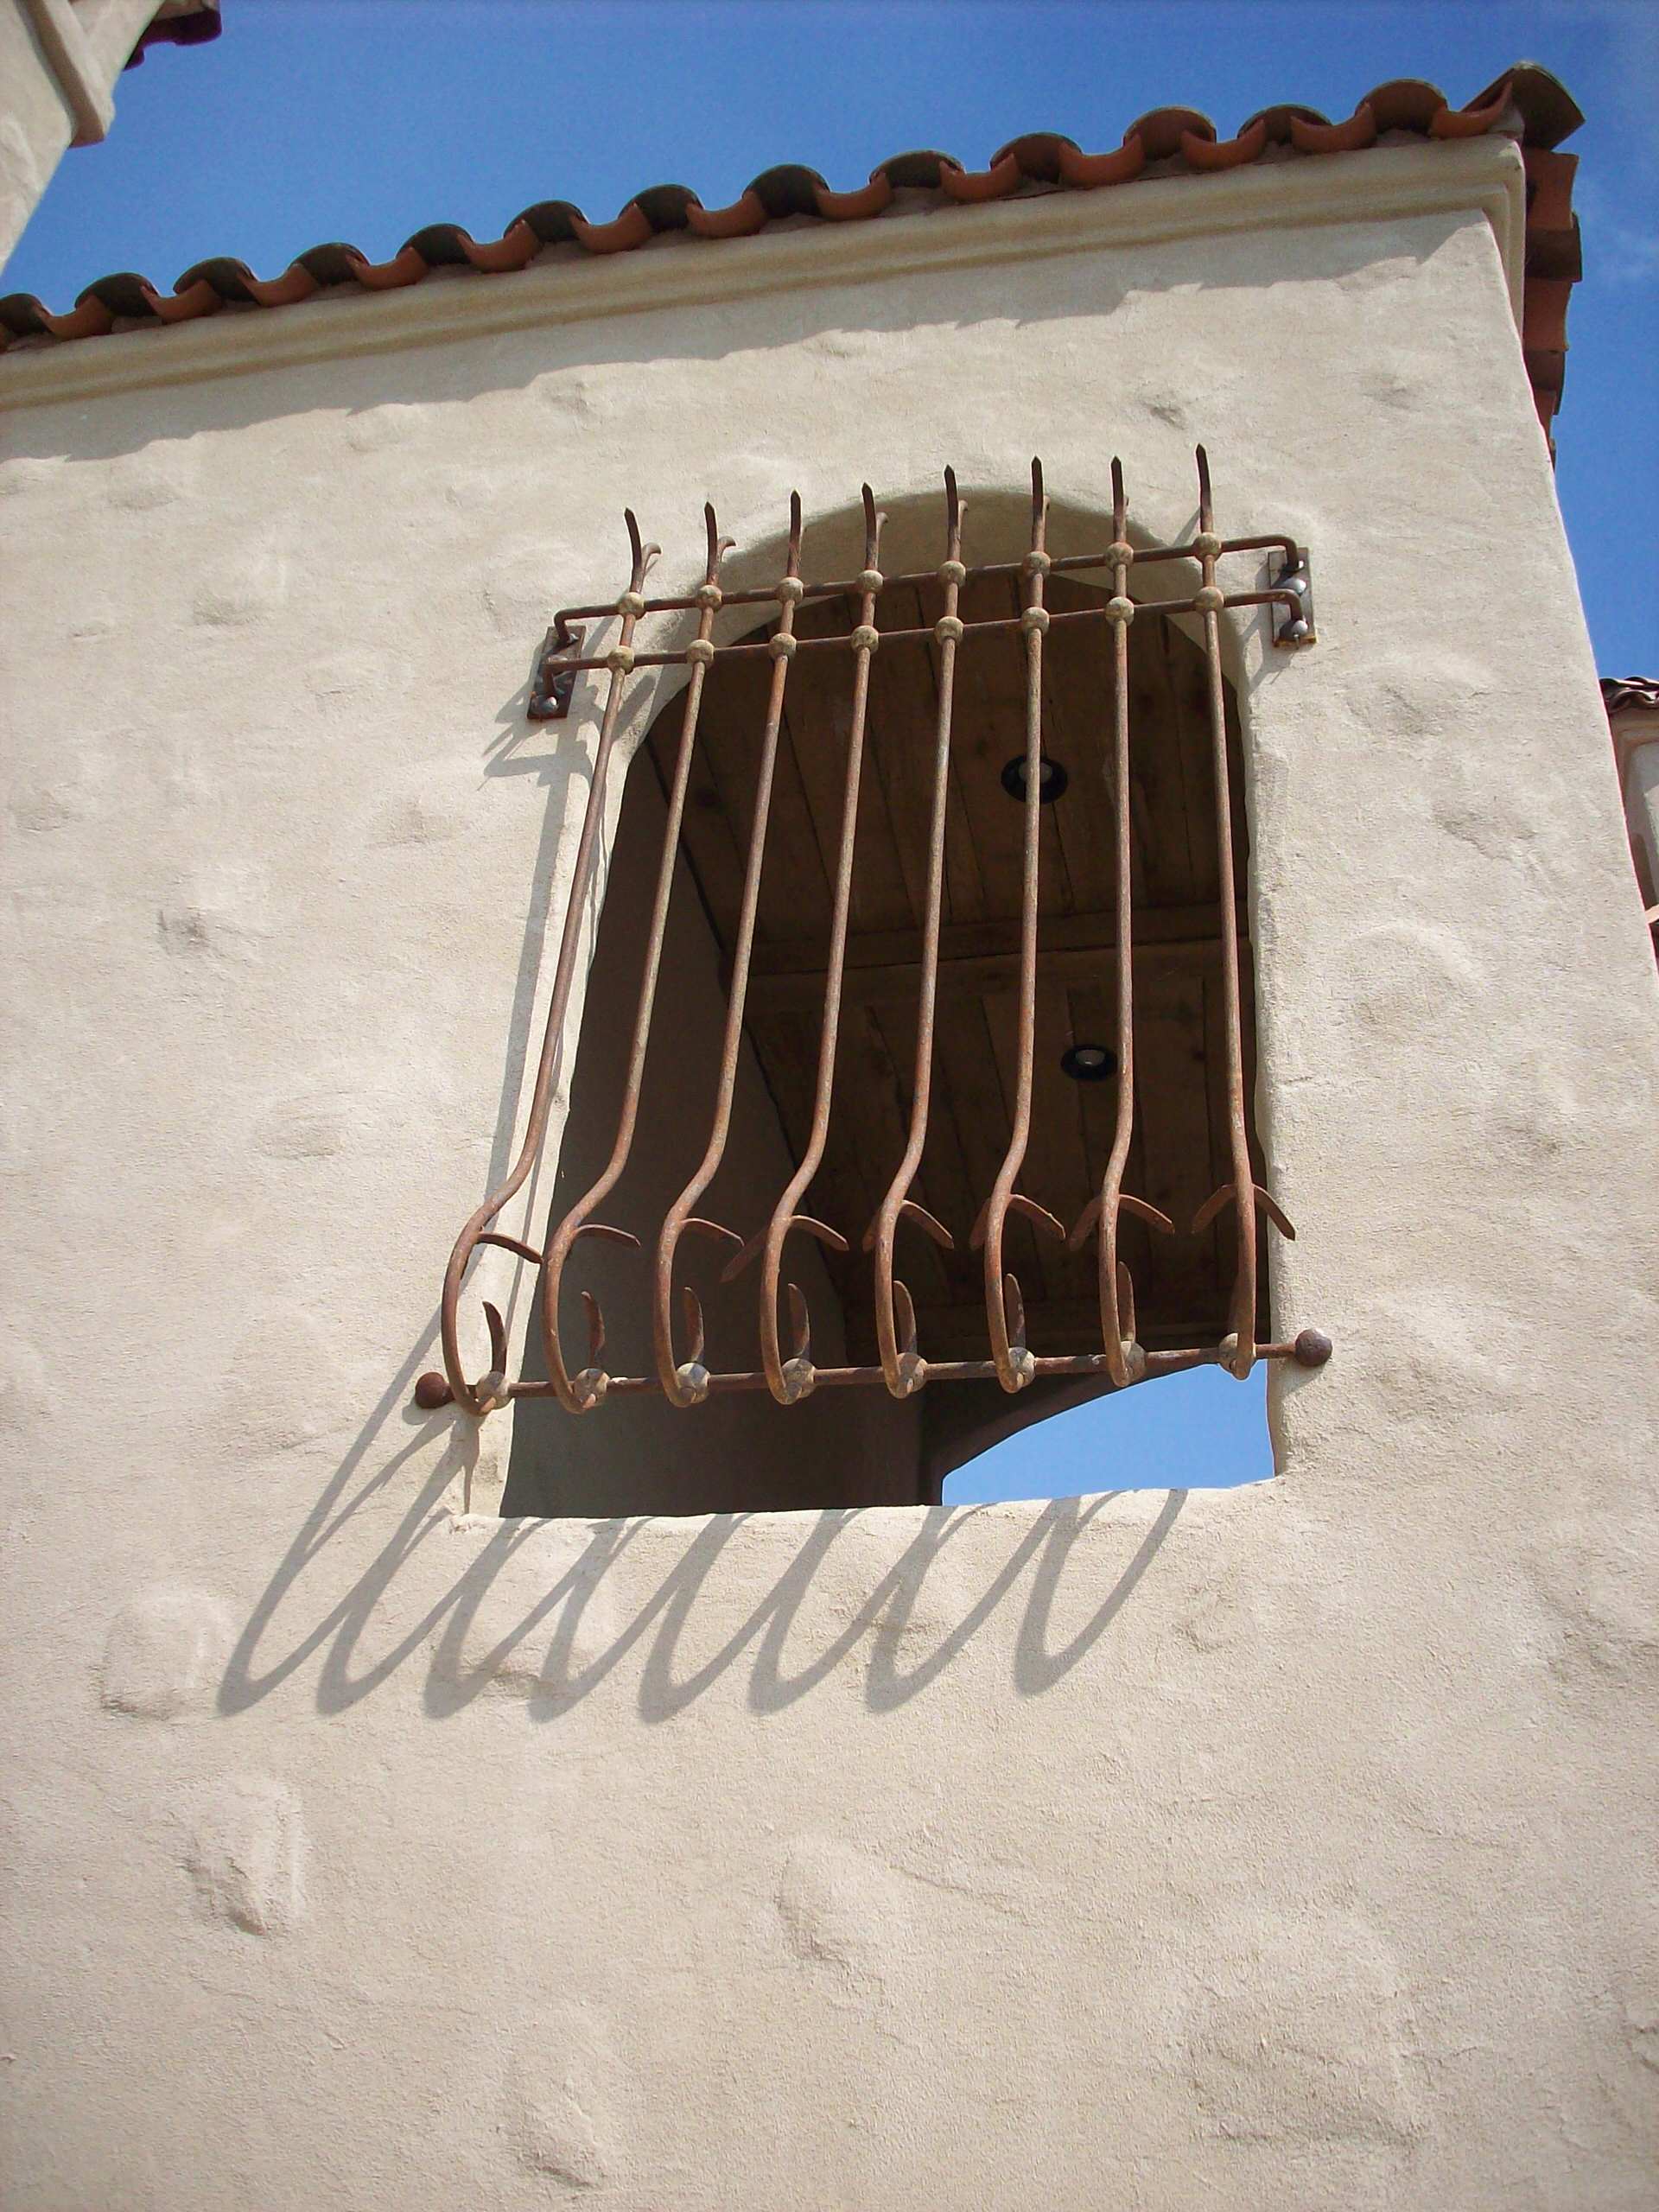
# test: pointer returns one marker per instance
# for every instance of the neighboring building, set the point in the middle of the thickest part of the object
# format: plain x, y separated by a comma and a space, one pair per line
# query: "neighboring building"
1281, 1846
58, 61
1633, 711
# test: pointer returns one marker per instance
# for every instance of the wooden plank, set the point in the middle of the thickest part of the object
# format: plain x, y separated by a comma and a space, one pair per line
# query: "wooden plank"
818, 724
942, 1185
967, 1073
1171, 1111
786, 1045
990, 726
1054, 1172
965, 898
974, 978
794, 887
903, 721
1094, 1018
873, 1117
706, 838
1156, 706
1153, 926
1078, 724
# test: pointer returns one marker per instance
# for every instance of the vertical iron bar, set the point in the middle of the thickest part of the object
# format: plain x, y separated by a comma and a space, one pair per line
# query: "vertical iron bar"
619, 662
1122, 613
1209, 601
791, 1380
902, 1365
585, 1392
688, 1384
1013, 1363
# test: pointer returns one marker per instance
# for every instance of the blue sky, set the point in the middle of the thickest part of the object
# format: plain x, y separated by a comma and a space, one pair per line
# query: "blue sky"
365, 119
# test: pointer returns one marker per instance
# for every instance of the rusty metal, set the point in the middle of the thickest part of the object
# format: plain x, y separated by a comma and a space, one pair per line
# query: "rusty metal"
478, 1400
787, 1371
1125, 1360
581, 1393
794, 1378
1005, 1310
556, 670
685, 1383
903, 1368
1246, 1193
1291, 598
1303, 1351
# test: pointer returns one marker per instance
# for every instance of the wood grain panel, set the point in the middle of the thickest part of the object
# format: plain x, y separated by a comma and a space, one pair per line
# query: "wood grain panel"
1180, 1151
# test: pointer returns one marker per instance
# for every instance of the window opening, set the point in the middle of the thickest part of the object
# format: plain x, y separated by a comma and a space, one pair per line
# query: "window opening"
1037, 602
1197, 1431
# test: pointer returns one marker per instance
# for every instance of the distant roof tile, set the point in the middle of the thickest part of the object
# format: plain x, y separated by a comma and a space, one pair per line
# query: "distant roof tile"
1621, 694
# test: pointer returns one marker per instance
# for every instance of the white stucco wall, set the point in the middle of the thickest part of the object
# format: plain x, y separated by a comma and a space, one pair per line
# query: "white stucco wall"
1285, 1846
58, 61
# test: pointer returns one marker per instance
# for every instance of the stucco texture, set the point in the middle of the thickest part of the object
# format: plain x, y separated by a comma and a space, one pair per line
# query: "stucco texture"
1291, 1846
58, 61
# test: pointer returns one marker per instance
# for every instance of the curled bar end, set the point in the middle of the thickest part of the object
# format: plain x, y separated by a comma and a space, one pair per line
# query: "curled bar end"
955, 508
498, 1329
717, 545
596, 1313
694, 1324
1021, 1368
873, 521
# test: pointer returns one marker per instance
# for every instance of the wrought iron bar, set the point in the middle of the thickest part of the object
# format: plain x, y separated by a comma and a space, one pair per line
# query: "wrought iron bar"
1290, 600
792, 1378
561, 637
1005, 1311
476, 1399
584, 1391
903, 1367
685, 1383
1311, 1348
1243, 1190
1125, 1359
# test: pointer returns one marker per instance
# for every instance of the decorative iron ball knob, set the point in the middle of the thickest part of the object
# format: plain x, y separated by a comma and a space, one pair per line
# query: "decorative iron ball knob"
1312, 1348
433, 1390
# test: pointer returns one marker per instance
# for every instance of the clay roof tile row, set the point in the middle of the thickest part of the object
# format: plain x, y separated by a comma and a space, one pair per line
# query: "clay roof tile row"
1527, 103
1623, 694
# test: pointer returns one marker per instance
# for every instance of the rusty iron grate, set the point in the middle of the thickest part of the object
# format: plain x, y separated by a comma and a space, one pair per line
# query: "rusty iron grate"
683, 1375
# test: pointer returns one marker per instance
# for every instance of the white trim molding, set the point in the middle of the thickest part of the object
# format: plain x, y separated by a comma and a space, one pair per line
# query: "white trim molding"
1483, 176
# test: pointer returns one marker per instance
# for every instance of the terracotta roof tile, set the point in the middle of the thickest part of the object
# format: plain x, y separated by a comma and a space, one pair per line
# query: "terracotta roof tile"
1527, 103
1621, 693
178, 22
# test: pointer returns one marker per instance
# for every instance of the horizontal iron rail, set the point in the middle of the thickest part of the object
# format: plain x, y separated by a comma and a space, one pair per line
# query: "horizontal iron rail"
1311, 1348
1060, 564
762, 646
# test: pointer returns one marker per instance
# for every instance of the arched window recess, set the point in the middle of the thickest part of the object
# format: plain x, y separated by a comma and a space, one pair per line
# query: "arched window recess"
980, 915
